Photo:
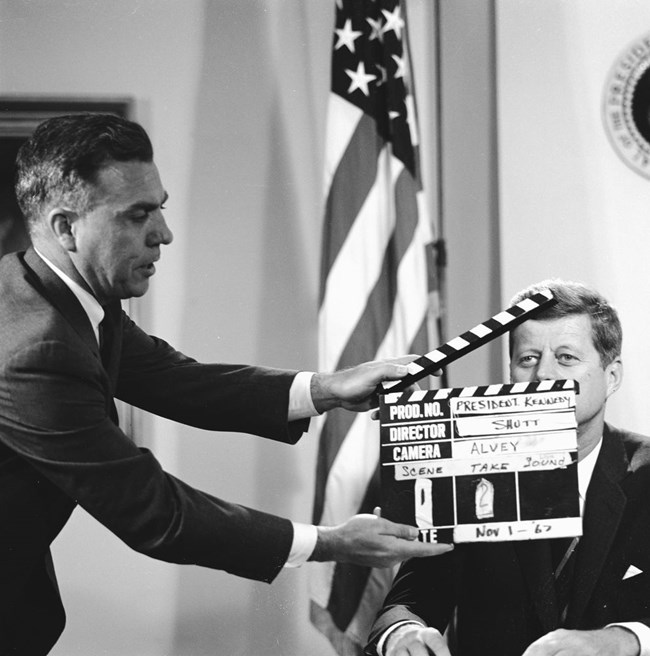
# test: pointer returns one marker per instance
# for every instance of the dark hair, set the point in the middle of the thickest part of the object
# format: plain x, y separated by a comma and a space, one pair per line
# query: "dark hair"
576, 298
61, 159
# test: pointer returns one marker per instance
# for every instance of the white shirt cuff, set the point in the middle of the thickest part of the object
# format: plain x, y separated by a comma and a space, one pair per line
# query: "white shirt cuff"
641, 631
301, 405
304, 541
389, 631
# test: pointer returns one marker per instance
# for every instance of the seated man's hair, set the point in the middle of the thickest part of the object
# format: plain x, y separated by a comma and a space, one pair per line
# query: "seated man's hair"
59, 163
576, 298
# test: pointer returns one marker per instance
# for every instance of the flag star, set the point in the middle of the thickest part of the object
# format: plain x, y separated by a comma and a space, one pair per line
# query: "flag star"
394, 21
393, 115
360, 79
347, 36
401, 66
339, 4
376, 30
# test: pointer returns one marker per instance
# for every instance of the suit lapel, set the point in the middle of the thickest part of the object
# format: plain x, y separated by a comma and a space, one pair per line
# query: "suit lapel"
604, 509
62, 298
58, 293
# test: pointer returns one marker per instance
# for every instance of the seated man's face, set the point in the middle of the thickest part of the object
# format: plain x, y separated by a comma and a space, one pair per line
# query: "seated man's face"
564, 349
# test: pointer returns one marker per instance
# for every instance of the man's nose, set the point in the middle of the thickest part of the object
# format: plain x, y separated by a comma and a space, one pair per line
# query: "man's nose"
160, 233
546, 368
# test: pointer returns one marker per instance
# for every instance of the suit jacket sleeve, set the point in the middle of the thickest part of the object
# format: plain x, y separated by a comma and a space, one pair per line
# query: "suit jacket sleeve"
423, 591
55, 417
226, 397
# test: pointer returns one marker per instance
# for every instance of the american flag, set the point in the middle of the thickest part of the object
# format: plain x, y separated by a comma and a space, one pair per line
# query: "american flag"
377, 294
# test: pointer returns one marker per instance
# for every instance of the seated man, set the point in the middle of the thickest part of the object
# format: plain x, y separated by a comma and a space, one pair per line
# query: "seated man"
504, 594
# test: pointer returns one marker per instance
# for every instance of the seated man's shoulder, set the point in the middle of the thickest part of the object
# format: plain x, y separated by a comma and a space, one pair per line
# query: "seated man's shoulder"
637, 447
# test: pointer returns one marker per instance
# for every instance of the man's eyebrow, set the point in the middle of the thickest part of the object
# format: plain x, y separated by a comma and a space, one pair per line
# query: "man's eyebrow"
144, 205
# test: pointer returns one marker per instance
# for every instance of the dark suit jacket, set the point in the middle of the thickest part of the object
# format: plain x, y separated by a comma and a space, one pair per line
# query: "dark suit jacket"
504, 592
59, 447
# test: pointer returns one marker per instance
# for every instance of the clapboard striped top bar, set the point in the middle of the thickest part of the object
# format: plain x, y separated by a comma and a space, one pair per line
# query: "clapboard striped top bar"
500, 323
561, 385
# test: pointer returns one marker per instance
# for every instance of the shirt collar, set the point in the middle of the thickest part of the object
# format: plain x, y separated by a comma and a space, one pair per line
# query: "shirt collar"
586, 469
89, 303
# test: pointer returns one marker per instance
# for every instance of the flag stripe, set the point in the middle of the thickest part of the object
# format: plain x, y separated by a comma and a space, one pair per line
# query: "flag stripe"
356, 270
342, 120
369, 330
344, 206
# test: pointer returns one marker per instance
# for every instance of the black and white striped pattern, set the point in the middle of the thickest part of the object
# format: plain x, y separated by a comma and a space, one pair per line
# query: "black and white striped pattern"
483, 390
470, 340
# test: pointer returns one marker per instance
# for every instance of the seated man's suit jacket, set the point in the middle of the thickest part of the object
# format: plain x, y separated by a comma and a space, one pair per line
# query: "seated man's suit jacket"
59, 447
504, 592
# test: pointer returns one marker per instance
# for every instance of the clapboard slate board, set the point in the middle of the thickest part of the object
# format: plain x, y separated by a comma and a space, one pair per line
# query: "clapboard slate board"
478, 464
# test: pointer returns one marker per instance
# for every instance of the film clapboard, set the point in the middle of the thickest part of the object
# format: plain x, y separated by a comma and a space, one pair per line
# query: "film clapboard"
480, 464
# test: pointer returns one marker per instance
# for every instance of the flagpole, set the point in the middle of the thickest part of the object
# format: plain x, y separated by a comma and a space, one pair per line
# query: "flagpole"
440, 246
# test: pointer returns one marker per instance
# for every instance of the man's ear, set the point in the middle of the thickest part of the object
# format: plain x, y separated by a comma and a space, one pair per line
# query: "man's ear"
60, 222
614, 376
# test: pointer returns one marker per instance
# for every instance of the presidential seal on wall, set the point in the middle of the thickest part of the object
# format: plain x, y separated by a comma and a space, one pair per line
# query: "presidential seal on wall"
626, 106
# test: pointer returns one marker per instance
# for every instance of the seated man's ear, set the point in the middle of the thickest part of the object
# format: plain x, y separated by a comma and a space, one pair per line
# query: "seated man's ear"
614, 372
60, 223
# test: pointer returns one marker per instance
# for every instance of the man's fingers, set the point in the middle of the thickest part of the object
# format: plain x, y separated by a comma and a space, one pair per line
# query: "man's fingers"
402, 531
403, 359
434, 641
425, 549
419, 642
394, 371
397, 367
410, 547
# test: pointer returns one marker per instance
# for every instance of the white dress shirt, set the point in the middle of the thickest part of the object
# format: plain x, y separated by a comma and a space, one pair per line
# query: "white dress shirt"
300, 407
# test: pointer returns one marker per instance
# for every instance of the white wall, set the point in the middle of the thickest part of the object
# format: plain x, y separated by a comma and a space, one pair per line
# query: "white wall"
570, 207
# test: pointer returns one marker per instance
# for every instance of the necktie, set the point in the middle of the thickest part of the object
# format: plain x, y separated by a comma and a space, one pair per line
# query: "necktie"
563, 554
105, 347
105, 340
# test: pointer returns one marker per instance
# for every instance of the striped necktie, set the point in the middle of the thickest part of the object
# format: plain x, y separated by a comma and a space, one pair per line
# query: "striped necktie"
563, 554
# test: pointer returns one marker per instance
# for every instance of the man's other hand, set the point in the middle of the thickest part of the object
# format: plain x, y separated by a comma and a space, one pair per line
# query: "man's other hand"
371, 541
414, 640
612, 641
